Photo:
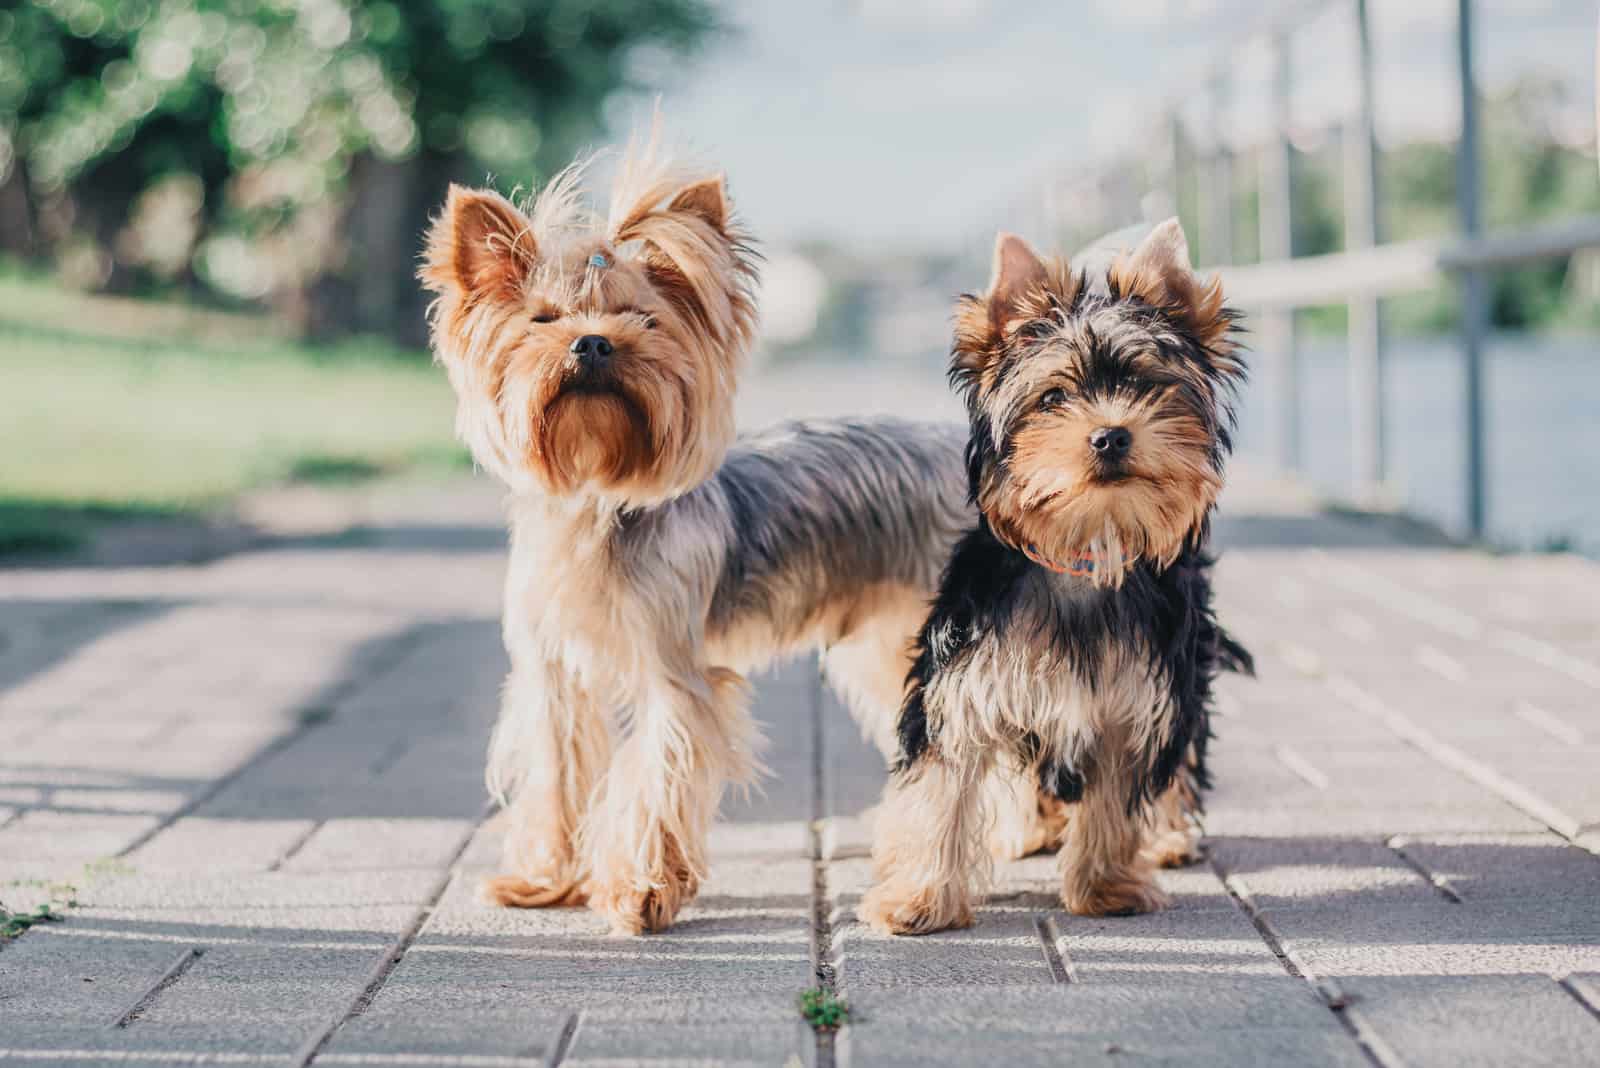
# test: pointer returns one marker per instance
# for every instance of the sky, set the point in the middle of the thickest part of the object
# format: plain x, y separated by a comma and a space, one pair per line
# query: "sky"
912, 124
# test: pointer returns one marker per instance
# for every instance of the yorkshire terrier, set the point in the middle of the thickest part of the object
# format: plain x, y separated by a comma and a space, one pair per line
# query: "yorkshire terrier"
653, 559
1072, 637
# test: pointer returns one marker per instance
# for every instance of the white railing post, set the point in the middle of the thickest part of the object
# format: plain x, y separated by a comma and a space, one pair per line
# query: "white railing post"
1362, 232
1474, 280
1216, 233
1275, 219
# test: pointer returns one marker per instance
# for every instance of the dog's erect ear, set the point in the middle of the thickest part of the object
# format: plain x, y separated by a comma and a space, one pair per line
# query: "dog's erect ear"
708, 199
1158, 272
1165, 251
1018, 271
480, 246
1018, 276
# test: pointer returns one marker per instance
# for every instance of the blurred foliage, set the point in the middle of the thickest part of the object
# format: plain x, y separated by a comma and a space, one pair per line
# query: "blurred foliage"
1531, 172
221, 142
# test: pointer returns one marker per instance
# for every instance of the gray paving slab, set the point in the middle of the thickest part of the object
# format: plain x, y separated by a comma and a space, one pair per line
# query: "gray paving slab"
1214, 1019
1469, 1020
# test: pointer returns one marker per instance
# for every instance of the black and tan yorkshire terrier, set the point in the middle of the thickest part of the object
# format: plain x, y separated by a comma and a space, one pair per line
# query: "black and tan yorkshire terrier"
1072, 636
654, 560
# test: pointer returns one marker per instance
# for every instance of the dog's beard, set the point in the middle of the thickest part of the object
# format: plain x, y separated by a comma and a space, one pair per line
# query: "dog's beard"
594, 437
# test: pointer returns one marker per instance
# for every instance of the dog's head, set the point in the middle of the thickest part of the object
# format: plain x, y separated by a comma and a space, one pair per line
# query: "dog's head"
1100, 415
592, 359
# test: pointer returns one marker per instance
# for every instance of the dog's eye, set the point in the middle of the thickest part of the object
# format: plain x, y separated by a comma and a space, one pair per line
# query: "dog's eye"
546, 317
1053, 398
649, 321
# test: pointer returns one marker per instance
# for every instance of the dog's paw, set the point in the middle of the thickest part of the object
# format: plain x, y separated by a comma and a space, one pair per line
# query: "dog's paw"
630, 908
539, 892
1127, 896
1174, 848
897, 909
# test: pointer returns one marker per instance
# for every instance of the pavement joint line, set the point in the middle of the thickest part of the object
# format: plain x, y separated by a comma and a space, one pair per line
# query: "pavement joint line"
1440, 883
393, 650
1459, 622
1301, 766
1325, 989
296, 846
824, 964
1552, 725
564, 1039
394, 953
1055, 957
142, 1003
1442, 752
1583, 991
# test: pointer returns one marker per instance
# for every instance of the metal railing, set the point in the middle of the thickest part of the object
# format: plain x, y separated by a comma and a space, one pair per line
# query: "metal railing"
1367, 270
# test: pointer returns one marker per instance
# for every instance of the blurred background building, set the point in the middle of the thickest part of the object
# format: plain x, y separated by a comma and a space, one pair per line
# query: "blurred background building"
256, 173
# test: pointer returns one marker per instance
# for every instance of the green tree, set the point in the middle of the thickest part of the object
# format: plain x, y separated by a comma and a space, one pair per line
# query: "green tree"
290, 150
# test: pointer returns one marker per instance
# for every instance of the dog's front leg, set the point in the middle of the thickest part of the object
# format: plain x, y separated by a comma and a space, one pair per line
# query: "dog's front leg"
927, 849
691, 735
1103, 871
549, 750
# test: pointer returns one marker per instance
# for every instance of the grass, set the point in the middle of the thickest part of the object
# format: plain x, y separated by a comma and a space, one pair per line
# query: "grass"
120, 409
824, 1010
60, 895
13, 924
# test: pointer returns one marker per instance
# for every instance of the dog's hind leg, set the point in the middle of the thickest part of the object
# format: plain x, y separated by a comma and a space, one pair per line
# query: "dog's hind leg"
868, 661
1173, 839
1023, 819
549, 750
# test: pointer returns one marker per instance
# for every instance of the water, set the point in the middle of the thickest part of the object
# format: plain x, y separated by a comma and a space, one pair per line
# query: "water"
1543, 432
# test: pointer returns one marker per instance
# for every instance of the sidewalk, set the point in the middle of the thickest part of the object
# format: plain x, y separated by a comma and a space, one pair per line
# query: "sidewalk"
263, 778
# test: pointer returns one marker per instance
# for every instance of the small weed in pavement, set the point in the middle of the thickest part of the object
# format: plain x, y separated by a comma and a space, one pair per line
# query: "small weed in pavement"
13, 924
823, 1010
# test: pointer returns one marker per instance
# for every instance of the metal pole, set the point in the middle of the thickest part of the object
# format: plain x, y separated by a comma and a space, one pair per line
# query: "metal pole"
1361, 232
1474, 281
1275, 206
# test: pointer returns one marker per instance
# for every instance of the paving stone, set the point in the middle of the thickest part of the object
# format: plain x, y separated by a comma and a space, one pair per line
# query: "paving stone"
1539, 937
1459, 1021
1509, 867
1250, 1018
157, 890
363, 844
1317, 872
197, 843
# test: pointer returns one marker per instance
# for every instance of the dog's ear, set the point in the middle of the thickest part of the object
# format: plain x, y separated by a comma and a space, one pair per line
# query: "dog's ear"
707, 199
481, 246
1158, 272
1017, 275
1017, 280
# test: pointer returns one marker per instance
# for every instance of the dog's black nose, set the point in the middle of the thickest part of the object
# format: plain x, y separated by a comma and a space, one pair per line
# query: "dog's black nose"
592, 351
1111, 443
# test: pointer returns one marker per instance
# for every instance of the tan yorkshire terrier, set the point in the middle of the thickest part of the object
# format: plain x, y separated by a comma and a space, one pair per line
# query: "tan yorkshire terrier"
1072, 639
654, 560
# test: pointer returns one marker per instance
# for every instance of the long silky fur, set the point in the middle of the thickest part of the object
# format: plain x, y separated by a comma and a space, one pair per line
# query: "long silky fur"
1098, 685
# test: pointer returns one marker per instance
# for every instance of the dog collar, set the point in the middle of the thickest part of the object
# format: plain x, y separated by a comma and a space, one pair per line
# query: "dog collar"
1083, 565
599, 261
